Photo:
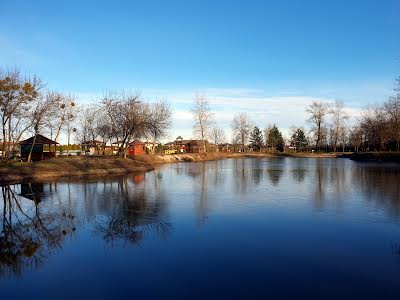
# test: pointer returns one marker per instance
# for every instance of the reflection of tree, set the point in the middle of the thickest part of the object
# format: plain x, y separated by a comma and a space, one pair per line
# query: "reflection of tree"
320, 183
130, 231
29, 232
379, 184
240, 176
256, 171
275, 175
299, 174
132, 215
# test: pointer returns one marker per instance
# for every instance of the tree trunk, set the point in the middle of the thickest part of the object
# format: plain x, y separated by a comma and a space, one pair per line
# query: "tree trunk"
30, 151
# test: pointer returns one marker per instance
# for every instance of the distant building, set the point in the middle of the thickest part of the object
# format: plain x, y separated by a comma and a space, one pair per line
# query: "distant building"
185, 146
92, 147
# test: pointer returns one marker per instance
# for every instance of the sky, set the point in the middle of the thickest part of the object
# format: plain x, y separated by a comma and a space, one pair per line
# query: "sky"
269, 59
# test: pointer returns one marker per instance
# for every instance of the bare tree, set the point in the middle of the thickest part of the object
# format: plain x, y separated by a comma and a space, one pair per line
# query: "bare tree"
16, 97
127, 115
203, 117
339, 118
392, 110
159, 121
88, 120
241, 127
218, 136
44, 108
317, 111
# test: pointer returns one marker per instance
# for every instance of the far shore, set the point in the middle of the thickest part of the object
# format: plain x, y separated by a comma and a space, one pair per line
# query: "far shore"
104, 166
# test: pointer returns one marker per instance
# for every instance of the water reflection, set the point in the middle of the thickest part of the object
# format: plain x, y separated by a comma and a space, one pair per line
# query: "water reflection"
37, 218
29, 231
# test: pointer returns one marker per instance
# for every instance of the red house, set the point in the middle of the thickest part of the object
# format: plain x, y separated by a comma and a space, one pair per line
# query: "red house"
136, 148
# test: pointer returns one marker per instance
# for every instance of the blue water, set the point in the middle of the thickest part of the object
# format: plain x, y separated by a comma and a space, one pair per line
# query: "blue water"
230, 229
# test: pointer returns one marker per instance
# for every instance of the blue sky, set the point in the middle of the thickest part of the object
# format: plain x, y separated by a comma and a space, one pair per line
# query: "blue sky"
268, 58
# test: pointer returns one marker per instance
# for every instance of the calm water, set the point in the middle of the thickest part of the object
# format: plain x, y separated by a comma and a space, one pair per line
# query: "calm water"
238, 228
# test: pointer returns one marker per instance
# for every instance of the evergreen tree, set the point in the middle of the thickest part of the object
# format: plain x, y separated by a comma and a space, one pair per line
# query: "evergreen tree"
256, 139
275, 139
299, 140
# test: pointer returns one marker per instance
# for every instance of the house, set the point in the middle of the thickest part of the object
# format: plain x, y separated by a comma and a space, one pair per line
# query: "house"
43, 148
196, 146
136, 148
92, 147
185, 146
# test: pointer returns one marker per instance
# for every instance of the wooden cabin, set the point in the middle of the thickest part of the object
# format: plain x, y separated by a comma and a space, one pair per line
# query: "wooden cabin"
43, 148
136, 148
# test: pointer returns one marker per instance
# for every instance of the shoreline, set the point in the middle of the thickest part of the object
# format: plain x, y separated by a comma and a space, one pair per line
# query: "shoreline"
103, 166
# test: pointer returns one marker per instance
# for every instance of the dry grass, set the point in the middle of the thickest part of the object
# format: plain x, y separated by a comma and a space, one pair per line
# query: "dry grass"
70, 166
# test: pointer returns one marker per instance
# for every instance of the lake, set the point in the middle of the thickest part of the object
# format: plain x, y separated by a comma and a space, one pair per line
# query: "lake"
230, 229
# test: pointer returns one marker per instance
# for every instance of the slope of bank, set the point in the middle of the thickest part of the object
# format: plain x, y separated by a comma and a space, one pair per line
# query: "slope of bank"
193, 157
376, 156
77, 166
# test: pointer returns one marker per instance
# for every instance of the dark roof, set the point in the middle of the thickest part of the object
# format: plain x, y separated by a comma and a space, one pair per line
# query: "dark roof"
40, 139
179, 138
136, 142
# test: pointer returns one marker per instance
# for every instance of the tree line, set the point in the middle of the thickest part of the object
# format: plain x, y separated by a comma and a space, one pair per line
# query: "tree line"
28, 107
376, 129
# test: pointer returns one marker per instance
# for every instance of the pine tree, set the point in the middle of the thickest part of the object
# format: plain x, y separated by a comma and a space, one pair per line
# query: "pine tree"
256, 139
299, 140
275, 139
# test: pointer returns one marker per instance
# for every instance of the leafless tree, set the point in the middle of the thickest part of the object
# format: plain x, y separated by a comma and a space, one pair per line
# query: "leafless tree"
127, 117
16, 97
43, 108
203, 117
317, 111
241, 127
392, 110
158, 121
339, 118
88, 121
218, 136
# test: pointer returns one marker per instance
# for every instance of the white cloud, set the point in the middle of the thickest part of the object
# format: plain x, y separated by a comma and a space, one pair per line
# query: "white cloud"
284, 111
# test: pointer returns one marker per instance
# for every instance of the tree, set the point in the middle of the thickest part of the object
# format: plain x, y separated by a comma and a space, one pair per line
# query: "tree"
241, 127
203, 118
16, 97
127, 115
392, 110
298, 140
339, 119
266, 132
317, 111
275, 139
218, 136
159, 121
43, 109
88, 121
256, 139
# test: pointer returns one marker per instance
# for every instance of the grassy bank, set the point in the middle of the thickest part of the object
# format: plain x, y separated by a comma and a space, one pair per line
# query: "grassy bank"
77, 166
376, 156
